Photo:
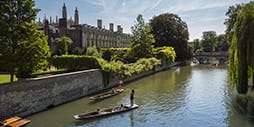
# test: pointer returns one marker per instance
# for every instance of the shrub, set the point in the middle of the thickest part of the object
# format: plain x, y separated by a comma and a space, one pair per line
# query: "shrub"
92, 51
142, 65
166, 54
115, 54
75, 62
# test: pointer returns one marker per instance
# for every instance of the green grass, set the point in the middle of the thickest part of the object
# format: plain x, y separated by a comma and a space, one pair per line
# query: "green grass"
5, 78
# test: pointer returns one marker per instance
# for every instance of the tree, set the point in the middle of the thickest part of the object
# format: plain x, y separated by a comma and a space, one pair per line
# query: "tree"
19, 38
232, 13
197, 45
169, 30
141, 38
222, 43
63, 44
241, 62
209, 41
34, 53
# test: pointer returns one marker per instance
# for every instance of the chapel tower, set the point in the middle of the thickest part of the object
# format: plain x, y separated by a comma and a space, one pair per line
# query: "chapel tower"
64, 12
76, 17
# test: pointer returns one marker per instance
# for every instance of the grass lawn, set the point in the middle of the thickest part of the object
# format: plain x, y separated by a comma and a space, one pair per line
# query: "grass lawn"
4, 78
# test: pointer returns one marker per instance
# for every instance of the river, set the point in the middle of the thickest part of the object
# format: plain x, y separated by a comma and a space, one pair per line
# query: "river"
190, 96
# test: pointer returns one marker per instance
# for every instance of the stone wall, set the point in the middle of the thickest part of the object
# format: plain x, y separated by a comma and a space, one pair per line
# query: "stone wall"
26, 97
245, 104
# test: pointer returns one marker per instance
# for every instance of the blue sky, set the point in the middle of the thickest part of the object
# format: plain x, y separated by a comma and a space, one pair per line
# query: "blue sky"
200, 15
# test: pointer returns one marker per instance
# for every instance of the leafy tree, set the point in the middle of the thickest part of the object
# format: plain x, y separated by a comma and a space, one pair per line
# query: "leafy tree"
169, 30
63, 44
34, 53
141, 38
197, 45
23, 48
222, 44
241, 48
232, 13
209, 41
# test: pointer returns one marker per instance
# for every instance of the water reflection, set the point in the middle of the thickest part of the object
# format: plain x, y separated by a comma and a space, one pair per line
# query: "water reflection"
131, 119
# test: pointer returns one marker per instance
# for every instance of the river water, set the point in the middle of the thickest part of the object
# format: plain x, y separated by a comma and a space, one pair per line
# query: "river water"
191, 96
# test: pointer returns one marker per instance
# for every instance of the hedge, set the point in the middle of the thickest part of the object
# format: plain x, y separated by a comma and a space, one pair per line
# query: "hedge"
75, 62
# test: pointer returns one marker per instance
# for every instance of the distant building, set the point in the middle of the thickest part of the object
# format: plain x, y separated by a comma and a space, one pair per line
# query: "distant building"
83, 35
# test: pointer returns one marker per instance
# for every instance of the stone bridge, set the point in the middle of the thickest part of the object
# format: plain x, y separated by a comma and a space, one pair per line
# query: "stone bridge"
206, 57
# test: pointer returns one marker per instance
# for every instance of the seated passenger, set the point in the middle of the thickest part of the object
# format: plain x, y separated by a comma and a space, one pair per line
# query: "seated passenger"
119, 108
98, 111
113, 91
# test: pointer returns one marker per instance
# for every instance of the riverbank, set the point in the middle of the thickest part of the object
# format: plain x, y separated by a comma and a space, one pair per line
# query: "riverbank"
39, 94
245, 104
115, 81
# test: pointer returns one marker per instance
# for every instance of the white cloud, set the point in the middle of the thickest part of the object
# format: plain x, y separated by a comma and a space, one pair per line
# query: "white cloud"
156, 4
124, 4
183, 6
101, 3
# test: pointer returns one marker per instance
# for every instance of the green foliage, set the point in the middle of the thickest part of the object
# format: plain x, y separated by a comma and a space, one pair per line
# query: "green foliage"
222, 44
209, 41
22, 46
34, 54
169, 30
92, 51
241, 48
142, 65
141, 38
197, 45
232, 13
75, 62
115, 54
63, 44
126, 70
165, 53
76, 51
112, 66
116, 49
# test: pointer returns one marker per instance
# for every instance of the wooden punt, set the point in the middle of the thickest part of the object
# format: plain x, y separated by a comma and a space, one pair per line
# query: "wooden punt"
113, 92
105, 112
19, 123
9, 120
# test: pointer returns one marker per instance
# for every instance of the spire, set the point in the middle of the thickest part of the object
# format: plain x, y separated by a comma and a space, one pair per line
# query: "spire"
64, 12
56, 19
44, 17
50, 20
76, 17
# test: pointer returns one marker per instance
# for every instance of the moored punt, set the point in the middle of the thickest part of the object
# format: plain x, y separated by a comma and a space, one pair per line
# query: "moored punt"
9, 120
19, 123
105, 112
113, 92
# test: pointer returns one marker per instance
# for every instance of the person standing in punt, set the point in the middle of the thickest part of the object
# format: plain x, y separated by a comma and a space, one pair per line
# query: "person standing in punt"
120, 83
132, 96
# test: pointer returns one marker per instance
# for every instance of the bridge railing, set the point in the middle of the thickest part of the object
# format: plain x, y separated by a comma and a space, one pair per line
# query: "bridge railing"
211, 54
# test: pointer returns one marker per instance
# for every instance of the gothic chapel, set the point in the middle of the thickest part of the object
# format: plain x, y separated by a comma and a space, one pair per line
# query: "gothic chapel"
83, 35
